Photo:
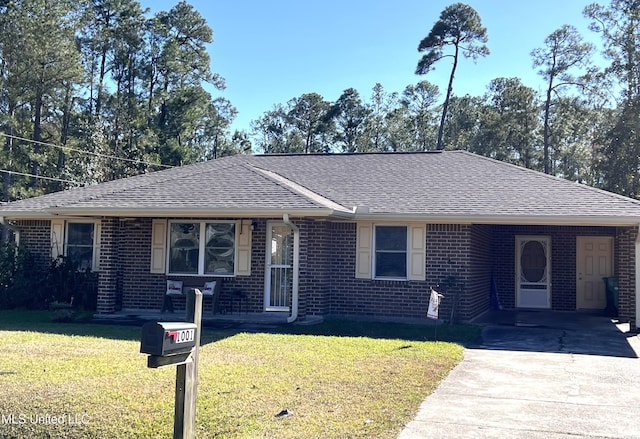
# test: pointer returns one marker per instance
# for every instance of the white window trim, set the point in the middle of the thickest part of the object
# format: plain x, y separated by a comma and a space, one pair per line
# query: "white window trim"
375, 252
201, 248
416, 250
95, 260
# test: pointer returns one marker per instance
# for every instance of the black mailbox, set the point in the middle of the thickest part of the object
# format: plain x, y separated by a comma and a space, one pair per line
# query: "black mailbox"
167, 338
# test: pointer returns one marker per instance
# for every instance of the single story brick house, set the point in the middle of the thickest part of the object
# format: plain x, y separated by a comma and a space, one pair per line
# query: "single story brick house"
345, 234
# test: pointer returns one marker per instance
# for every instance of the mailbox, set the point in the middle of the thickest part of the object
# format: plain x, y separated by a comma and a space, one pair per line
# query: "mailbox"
168, 338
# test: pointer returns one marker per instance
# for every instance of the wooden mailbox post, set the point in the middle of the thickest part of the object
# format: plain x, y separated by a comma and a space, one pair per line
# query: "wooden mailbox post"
178, 343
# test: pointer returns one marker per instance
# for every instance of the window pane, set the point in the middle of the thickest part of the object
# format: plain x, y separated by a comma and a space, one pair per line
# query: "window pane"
533, 261
80, 234
281, 245
391, 238
220, 248
184, 248
83, 256
391, 265
391, 251
80, 244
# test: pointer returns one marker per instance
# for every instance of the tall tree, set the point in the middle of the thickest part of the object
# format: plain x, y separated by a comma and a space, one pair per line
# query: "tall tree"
311, 116
272, 130
419, 100
463, 118
509, 123
36, 70
179, 68
564, 52
350, 116
459, 27
400, 136
377, 124
575, 125
619, 25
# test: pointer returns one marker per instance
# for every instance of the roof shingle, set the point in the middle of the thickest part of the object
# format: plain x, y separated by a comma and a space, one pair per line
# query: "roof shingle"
447, 186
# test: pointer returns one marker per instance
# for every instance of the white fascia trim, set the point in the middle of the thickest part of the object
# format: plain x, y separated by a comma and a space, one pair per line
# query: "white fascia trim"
613, 221
176, 212
21, 214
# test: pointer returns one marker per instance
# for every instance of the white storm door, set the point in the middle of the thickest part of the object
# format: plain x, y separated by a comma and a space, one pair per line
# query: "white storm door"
533, 271
279, 271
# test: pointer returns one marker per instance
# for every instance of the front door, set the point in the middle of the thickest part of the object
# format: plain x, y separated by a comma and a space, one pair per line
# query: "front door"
594, 260
279, 273
533, 271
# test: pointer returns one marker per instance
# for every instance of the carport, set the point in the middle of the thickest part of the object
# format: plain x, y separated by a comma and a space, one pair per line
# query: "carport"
561, 268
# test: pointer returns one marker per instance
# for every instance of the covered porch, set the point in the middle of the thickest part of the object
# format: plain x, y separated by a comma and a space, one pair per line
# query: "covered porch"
562, 268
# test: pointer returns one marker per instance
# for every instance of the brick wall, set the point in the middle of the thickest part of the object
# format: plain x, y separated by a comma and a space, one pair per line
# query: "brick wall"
448, 259
478, 288
35, 235
348, 295
459, 258
109, 260
140, 288
451, 251
316, 254
145, 290
626, 272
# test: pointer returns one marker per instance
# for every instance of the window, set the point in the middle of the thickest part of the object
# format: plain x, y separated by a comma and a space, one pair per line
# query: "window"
390, 252
385, 251
80, 244
202, 248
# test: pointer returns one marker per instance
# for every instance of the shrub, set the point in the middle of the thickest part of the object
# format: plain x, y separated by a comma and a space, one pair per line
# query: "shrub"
19, 285
23, 286
69, 285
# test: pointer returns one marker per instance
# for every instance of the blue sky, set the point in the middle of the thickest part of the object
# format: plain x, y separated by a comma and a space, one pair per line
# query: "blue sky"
272, 51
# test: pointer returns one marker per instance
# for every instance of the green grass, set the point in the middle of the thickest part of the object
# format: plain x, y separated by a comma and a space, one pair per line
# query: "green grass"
339, 379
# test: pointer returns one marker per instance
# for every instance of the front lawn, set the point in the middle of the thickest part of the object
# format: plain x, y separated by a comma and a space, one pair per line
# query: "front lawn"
338, 379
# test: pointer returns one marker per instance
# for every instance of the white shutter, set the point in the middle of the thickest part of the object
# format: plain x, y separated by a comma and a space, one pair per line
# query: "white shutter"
158, 245
364, 244
243, 245
417, 252
57, 238
97, 240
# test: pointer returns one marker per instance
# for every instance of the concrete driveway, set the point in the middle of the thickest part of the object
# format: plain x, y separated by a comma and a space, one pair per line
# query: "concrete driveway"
539, 375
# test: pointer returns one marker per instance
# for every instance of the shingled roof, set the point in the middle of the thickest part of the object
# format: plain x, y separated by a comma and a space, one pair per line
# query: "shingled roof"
445, 187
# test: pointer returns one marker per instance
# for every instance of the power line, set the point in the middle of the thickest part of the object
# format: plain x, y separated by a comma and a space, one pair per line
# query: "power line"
39, 176
97, 154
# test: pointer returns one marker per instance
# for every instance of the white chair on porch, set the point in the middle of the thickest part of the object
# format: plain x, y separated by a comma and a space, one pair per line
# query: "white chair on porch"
211, 289
174, 288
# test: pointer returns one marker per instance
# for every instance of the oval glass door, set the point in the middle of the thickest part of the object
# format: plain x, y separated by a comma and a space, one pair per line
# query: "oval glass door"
533, 261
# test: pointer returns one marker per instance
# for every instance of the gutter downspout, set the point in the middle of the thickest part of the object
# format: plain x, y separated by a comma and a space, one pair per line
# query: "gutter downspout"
296, 259
14, 229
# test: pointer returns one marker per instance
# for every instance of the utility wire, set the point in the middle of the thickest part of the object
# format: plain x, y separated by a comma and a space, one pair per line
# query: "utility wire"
97, 154
39, 176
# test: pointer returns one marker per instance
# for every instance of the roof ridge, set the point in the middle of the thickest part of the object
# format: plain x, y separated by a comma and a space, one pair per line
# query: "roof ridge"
553, 177
297, 188
339, 154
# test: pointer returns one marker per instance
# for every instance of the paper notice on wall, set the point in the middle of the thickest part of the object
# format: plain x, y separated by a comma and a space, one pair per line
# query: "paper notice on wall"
434, 304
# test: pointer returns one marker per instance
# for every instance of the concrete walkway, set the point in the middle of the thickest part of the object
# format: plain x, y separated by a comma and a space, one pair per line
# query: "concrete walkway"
539, 375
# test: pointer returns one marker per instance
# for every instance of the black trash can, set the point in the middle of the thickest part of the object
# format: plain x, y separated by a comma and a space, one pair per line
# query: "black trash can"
611, 285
